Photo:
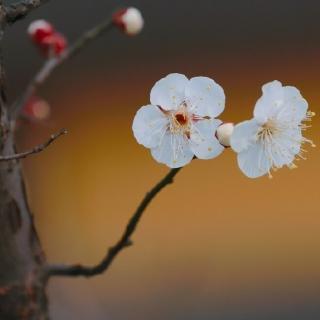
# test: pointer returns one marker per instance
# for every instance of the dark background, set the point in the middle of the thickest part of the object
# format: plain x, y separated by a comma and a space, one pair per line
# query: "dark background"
215, 245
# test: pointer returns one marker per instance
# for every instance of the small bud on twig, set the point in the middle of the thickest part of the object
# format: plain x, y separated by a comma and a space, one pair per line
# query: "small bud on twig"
37, 109
224, 133
54, 44
49, 41
39, 29
129, 20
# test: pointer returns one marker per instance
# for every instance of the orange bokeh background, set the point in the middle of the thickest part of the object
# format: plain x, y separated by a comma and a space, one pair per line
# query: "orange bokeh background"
215, 244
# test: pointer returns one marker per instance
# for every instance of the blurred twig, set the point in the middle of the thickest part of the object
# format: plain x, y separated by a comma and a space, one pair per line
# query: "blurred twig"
53, 63
36, 149
20, 9
123, 242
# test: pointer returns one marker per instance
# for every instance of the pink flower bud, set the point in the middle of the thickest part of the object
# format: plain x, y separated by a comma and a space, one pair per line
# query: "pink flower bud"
40, 29
129, 20
37, 109
224, 133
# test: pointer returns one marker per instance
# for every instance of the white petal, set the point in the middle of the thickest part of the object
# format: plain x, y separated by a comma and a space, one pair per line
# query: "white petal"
149, 125
292, 139
282, 103
169, 92
205, 97
273, 89
271, 101
203, 141
244, 134
254, 162
285, 146
294, 108
174, 151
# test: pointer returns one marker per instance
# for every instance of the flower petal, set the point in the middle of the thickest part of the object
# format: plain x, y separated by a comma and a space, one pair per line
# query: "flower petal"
284, 103
294, 108
285, 146
273, 89
292, 140
270, 102
254, 162
169, 92
173, 150
205, 97
149, 125
244, 134
203, 141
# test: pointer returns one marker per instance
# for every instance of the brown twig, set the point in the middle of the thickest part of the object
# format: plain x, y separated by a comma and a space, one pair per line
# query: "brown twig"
36, 149
123, 242
53, 63
20, 9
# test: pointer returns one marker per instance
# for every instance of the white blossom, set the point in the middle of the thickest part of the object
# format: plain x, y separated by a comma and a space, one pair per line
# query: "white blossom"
180, 121
273, 138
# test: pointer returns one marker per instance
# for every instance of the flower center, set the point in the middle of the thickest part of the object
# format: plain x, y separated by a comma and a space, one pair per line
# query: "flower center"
181, 118
180, 121
268, 130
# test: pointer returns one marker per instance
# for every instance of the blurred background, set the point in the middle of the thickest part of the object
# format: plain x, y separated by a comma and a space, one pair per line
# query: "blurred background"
215, 245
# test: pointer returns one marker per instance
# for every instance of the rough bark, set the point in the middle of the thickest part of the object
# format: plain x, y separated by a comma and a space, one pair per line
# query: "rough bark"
20, 9
22, 287
23, 272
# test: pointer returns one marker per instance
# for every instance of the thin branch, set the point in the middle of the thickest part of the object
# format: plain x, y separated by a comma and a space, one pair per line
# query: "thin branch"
123, 242
20, 9
36, 149
53, 63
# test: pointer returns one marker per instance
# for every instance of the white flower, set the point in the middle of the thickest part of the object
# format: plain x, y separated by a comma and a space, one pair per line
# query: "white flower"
273, 138
224, 133
180, 121
129, 20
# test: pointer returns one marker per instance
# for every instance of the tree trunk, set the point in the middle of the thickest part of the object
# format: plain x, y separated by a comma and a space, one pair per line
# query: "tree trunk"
22, 285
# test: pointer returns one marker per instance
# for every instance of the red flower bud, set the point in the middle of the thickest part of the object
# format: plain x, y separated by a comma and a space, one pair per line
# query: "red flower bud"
54, 44
48, 40
40, 29
128, 20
